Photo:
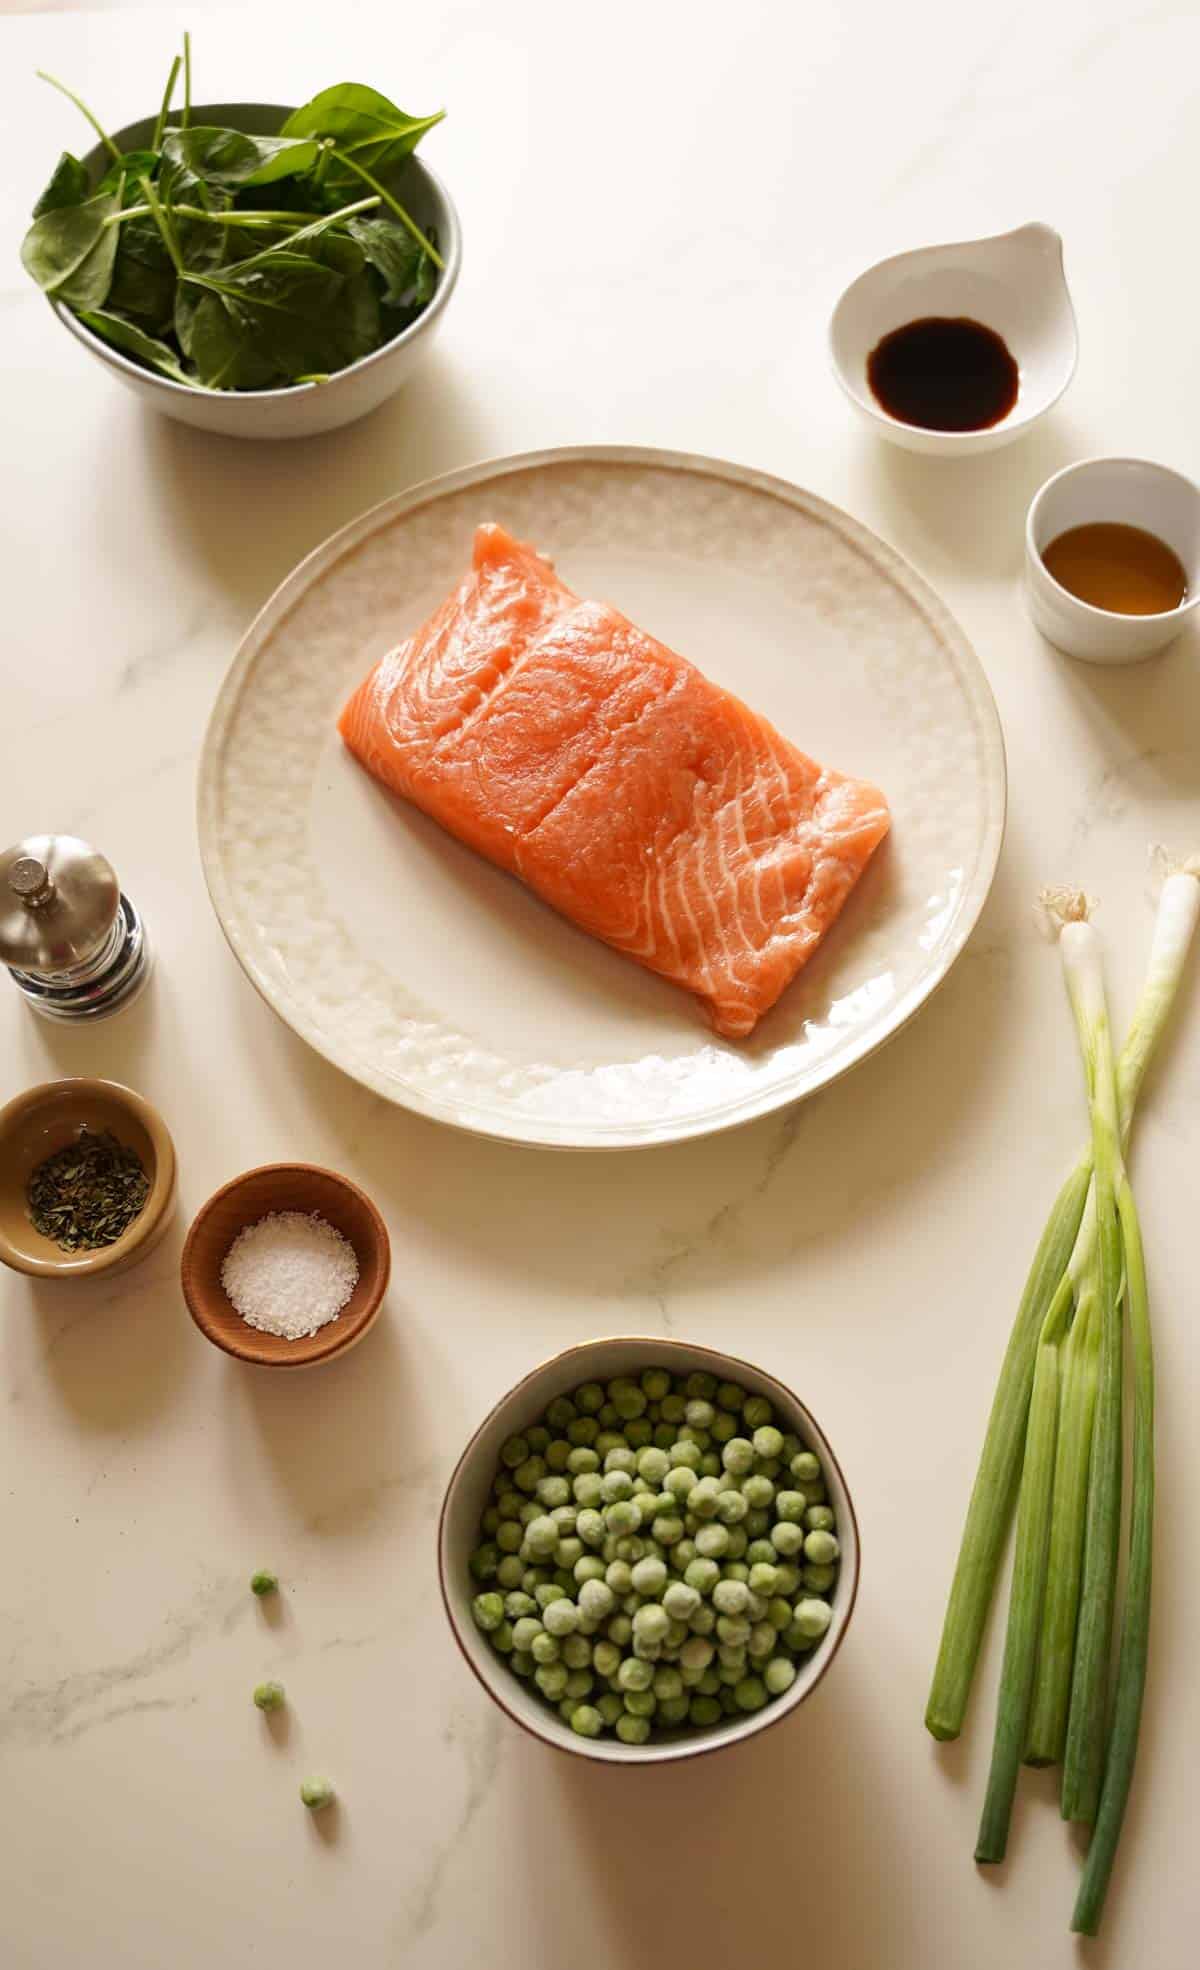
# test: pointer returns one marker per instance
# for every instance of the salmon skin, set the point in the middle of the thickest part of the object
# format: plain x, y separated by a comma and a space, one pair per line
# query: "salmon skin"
647, 805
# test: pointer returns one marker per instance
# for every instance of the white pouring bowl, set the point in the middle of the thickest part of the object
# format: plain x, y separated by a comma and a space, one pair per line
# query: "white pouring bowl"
469, 1488
1133, 492
1012, 283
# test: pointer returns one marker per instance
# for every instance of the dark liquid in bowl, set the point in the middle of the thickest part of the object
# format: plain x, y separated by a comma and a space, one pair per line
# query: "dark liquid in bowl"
1123, 569
945, 373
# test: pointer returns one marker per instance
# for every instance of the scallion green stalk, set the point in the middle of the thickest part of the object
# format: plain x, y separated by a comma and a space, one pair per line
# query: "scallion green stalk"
1062, 1265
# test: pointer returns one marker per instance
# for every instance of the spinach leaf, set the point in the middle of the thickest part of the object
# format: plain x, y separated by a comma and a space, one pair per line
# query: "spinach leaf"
133, 341
305, 312
143, 281
68, 186
362, 122
392, 252
426, 274
70, 251
226, 348
230, 159
135, 164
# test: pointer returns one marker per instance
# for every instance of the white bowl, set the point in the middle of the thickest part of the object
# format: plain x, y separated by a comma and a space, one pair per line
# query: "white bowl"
467, 1493
1012, 283
303, 409
1135, 493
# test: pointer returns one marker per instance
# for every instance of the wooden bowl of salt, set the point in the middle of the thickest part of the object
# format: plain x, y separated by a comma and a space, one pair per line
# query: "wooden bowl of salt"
286, 1266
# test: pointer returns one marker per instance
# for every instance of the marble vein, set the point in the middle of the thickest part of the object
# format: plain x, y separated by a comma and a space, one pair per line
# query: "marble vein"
481, 1746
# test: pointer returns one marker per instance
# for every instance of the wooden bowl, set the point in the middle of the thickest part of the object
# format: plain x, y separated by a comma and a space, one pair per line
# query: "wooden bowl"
43, 1120
284, 1187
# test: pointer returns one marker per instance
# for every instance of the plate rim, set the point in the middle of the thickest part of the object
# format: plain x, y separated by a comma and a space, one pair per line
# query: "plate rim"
537, 1131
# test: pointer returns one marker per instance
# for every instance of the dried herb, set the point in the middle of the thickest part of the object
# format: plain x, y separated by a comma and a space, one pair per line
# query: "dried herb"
88, 1193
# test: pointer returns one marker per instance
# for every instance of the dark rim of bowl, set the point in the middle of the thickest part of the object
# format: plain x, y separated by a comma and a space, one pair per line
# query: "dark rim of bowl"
669, 1753
108, 352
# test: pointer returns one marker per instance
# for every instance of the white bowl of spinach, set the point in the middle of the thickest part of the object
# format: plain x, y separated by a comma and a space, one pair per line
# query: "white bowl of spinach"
254, 270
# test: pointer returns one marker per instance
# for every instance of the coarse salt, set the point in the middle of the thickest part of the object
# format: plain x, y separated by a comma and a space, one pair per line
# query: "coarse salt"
289, 1274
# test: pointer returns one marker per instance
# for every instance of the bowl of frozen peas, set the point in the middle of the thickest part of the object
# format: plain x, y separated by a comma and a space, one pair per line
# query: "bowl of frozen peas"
648, 1551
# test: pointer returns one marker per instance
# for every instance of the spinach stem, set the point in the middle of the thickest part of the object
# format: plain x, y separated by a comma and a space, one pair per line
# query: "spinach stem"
309, 232
394, 204
63, 90
250, 219
186, 118
163, 113
160, 220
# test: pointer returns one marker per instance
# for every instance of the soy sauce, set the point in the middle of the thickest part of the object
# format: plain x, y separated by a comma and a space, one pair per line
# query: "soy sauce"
945, 373
1123, 569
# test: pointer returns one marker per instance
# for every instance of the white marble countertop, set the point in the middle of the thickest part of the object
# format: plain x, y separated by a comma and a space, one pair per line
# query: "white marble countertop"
659, 207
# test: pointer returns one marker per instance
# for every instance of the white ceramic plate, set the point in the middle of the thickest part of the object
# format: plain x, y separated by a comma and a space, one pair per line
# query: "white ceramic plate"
441, 983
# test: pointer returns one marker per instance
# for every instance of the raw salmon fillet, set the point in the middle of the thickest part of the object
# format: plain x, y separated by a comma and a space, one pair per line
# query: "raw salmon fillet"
647, 805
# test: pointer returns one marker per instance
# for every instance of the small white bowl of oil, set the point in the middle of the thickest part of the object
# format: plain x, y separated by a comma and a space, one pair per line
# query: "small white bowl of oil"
1112, 558
960, 348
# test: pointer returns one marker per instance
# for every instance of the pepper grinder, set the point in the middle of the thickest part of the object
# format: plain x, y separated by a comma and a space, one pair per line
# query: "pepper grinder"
75, 946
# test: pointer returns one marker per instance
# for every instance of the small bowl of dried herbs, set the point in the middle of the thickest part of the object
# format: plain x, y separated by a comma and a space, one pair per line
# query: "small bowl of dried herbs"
87, 1179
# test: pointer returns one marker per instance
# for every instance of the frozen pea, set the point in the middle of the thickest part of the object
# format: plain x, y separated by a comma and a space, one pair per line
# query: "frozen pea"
679, 1601
538, 1437
672, 1408
778, 1675
545, 1591
588, 1567
649, 1576
626, 1397
787, 1581
509, 1506
756, 1607
738, 1542
582, 1432
543, 1647
710, 1681
631, 1729
778, 1613
751, 1693
762, 1640
664, 1436
640, 1432
684, 1453
606, 1658
732, 1663
514, 1452
703, 1575
488, 1611
787, 1539
582, 1460
710, 1465
699, 1413
270, 1696
805, 1468
738, 1456
619, 1576
526, 1630
490, 1521
650, 1623
723, 1427
588, 1489
561, 1617
653, 1465
609, 1418
596, 1599
688, 1433
704, 1620
607, 1440
667, 1683
655, 1384
790, 1505
634, 1674
731, 1507
703, 1498
610, 1707
518, 1603
683, 1552
704, 1710
530, 1510
821, 1548
764, 1579
731, 1597
696, 1653
616, 1485
621, 1459
677, 1634
757, 1411
620, 1630
728, 1703
316, 1793
590, 1527
730, 1398
679, 1481
700, 1385
629, 1548
556, 1454
760, 1552
819, 1518
711, 1541
484, 1561
528, 1475
502, 1638
560, 1412
735, 1570
551, 1679
733, 1630
510, 1537
819, 1579
758, 1491
580, 1683
589, 1399
576, 1650
757, 1523
812, 1617
668, 1530
646, 1651
767, 1441
570, 1552
521, 1663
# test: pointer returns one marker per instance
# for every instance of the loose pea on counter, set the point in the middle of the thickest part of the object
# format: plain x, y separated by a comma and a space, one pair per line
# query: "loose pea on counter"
656, 1555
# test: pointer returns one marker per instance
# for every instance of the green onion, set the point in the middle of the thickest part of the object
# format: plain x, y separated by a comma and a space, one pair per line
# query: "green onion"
1079, 948
1063, 1280
1135, 1632
1024, 1611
